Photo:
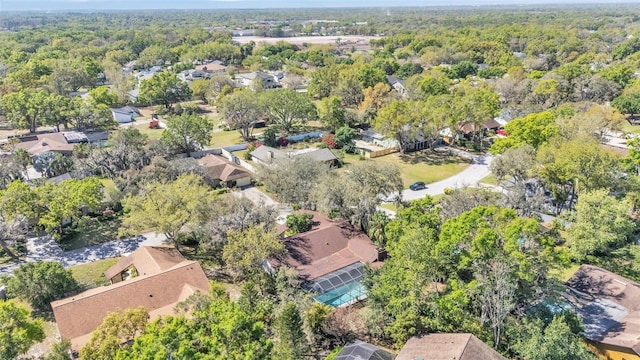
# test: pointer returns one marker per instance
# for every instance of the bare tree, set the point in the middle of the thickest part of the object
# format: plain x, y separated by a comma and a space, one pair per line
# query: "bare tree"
497, 295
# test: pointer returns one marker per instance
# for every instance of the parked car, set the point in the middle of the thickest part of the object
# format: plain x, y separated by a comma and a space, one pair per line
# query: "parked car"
417, 186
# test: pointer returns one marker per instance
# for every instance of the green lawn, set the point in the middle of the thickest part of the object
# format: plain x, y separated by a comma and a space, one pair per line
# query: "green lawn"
153, 134
489, 180
627, 128
427, 166
92, 274
564, 274
94, 231
225, 138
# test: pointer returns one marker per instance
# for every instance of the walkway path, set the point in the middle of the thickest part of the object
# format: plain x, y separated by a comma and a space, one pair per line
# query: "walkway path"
46, 249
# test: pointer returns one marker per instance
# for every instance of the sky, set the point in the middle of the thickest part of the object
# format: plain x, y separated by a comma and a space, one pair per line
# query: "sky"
47, 5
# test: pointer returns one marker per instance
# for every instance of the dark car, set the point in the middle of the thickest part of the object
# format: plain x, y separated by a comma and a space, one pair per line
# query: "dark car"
417, 186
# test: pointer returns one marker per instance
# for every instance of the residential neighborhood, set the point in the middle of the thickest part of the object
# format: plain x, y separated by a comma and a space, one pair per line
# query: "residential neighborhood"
455, 182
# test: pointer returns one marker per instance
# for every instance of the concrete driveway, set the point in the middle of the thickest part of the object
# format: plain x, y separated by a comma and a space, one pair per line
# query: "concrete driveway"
259, 198
46, 249
467, 177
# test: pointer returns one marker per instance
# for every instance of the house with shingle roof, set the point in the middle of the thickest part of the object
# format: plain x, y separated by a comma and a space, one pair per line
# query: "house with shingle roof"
157, 278
266, 155
359, 350
609, 306
447, 347
330, 259
55, 142
220, 170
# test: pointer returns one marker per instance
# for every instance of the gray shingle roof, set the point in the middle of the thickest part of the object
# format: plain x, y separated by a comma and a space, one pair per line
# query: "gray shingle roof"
359, 350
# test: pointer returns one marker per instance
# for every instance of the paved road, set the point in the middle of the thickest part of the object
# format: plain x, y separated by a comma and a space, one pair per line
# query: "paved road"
46, 249
467, 177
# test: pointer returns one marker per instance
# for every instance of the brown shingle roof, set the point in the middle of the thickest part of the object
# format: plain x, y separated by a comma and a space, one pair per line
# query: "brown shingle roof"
218, 168
78, 316
55, 142
447, 347
147, 260
609, 306
327, 247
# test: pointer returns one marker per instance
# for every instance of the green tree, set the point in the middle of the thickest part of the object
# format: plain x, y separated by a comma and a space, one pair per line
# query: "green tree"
627, 104
17, 331
243, 109
322, 82
116, 331
199, 89
164, 89
577, 166
60, 350
40, 283
299, 223
65, 200
287, 107
331, 112
463, 69
601, 224
344, 138
102, 95
169, 207
554, 341
246, 250
292, 341
369, 76
187, 133
534, 130
25, 109
217, 329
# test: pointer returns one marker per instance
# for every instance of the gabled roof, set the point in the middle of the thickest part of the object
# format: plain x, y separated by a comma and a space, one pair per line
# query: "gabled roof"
159, 292
608, 304
359, 350
327, 247
322, 155
42, 143
148, 260
218, 168
266, 153
447, 347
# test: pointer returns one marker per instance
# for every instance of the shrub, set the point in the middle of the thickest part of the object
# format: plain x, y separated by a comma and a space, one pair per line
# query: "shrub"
329, 140
282, 142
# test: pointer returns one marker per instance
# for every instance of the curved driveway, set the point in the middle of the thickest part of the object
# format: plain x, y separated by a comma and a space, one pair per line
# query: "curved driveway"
467, 177
46, 249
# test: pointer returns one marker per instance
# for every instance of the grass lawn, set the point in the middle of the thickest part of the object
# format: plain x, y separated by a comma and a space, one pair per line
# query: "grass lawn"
225, 138
92, 274
427, 166
153, 134
564, 274
489, 180
389, 206
94, 232
627, 128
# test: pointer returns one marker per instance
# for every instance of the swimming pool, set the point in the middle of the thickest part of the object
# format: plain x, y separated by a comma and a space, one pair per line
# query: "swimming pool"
344, 295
